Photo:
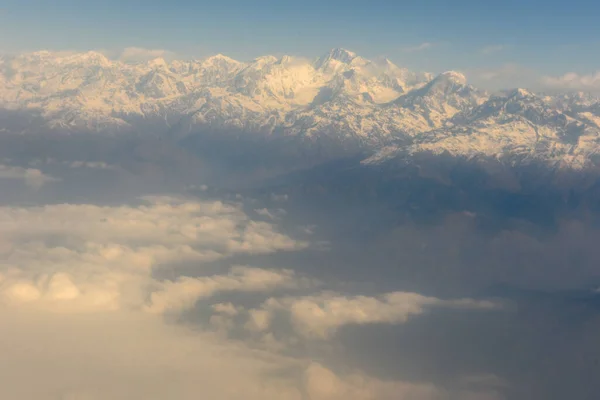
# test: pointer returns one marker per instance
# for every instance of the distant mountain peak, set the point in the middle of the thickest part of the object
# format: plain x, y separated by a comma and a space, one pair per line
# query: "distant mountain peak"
342, 98
158, 63
286, 60
95, 56
442, 85
340, 54
220, 58
384, 62
264, 60
454, 77
336, 54
520, 93
67, 57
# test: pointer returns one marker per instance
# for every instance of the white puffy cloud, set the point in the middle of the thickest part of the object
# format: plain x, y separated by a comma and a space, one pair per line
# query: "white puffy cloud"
82, 305
183, 293
68, 257
160, 223
322, 315
74, 280
32, 177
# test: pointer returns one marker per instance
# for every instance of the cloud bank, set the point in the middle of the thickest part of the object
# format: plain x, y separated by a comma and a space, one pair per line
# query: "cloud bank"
32, 177
84, 313
321, 316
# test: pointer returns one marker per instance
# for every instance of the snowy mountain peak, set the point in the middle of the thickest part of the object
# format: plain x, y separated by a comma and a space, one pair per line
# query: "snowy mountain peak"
64, 58
341, 98
520, 93
263, 61
220, 58
444, 86
452, 77
158, 63
343, 55
290, 61
385, 63
335, 55
92, 57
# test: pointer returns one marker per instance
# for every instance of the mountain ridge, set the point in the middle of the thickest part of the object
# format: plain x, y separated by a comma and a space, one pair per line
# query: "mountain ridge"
335, 98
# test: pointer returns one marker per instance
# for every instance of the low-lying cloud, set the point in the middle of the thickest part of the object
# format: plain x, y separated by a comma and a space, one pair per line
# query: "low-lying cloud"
32, 177
84, 313
102, 256
322, 315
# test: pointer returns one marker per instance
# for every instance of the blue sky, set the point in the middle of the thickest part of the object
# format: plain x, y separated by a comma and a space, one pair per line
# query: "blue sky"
550, 36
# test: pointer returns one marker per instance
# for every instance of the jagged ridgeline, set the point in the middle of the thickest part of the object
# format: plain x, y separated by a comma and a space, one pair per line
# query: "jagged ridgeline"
293, 108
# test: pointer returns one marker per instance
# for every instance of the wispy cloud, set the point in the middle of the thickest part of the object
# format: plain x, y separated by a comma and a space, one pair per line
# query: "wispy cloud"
32, 177
504, 76
510, 75
492, 49
420, 47
573, 81
139, 54
320, 316
506, 71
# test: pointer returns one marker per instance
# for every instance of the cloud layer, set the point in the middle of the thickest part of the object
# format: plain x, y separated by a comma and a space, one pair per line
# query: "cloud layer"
32, 177
98, 257
84, 312
322, 315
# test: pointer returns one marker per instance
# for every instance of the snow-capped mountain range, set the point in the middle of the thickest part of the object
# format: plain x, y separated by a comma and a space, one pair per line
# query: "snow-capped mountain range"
340, 96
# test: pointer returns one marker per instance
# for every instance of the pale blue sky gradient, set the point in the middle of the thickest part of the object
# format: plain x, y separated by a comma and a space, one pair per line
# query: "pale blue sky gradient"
550, 36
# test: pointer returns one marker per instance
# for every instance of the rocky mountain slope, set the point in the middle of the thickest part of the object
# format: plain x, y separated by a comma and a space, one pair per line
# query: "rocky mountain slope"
339, 98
